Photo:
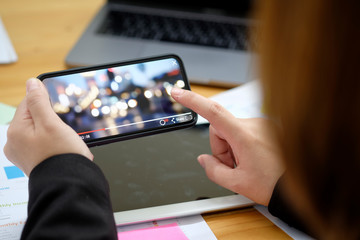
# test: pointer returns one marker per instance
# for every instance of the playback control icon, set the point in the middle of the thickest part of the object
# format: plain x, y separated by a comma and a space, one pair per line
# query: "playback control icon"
163, 121
166, 120
175, 119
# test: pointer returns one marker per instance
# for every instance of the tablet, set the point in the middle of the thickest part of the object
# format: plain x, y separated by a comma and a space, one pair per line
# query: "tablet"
158, 177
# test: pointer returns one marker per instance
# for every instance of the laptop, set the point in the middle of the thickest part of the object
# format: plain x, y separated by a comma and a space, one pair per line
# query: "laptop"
211, 37
158, 177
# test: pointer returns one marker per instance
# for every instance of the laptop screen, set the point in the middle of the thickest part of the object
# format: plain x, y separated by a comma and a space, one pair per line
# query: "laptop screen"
227, 8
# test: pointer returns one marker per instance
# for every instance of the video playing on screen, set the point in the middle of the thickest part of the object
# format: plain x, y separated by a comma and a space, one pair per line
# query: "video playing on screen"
119, 100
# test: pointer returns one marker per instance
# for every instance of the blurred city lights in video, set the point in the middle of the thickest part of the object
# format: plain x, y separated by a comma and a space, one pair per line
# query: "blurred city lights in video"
114, 96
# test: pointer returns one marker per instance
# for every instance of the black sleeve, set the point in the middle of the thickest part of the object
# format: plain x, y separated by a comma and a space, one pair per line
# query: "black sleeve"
69, 199
281, 208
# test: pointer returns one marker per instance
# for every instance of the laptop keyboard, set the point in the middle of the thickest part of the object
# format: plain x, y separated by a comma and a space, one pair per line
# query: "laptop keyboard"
174, 29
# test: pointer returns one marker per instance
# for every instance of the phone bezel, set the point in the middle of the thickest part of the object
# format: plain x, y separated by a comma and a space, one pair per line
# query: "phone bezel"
140, 133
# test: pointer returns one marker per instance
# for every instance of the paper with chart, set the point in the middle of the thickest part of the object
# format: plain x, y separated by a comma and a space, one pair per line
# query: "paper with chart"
13, 195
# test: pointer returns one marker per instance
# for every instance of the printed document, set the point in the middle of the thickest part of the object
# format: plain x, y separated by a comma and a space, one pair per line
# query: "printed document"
13, 195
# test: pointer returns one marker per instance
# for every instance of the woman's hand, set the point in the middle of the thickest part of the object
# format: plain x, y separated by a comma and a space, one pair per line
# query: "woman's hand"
245, 158
37, 133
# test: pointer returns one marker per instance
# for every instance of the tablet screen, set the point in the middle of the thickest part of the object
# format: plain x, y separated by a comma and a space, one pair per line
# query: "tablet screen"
158, 170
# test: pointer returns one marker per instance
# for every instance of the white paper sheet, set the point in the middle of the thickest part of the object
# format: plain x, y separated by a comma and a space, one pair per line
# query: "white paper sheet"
244, 101
292, 232
7, 51
13, 195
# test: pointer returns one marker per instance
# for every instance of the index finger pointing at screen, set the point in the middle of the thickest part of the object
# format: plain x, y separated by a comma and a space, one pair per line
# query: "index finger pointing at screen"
216, 114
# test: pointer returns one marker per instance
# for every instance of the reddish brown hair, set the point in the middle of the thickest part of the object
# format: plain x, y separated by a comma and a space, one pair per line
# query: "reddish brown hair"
310, 69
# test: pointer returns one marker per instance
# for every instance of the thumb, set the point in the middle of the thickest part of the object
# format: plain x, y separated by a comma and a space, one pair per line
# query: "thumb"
216, 171
37, 101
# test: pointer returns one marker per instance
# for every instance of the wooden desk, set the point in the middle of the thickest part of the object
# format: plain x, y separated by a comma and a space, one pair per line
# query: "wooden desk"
42, 33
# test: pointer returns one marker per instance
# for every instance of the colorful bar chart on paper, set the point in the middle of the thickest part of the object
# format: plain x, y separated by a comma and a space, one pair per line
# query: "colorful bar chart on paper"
13, 172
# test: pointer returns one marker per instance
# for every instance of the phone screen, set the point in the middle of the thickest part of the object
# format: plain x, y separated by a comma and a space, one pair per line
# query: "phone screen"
120, 100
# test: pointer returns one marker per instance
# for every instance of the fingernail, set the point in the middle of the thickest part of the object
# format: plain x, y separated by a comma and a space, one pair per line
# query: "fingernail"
201, 161
176, 91
32, 84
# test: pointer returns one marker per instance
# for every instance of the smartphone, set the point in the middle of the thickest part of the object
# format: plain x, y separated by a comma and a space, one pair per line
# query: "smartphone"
118, 101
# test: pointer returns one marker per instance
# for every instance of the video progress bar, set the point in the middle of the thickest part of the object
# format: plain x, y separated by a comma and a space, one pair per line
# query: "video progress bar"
130, 124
